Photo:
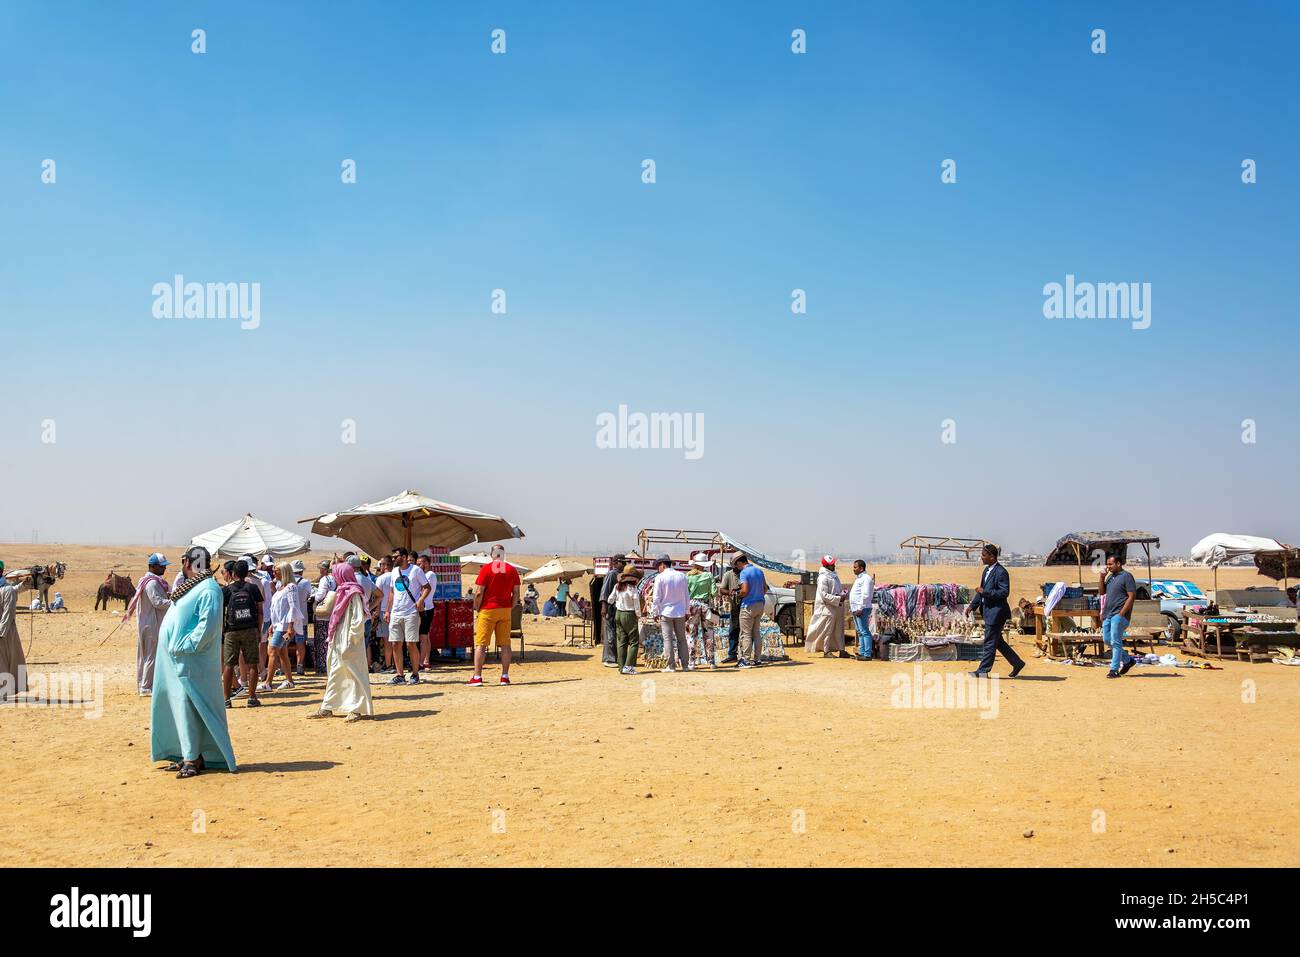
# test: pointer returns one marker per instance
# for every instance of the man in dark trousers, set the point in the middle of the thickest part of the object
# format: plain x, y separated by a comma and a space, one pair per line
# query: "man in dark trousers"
608, 653
991, 597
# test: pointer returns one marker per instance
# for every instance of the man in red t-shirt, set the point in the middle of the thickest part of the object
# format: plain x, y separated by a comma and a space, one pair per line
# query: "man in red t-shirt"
496, 594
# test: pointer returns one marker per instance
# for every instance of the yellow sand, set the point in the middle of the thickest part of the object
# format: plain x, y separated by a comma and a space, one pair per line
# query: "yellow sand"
577, 765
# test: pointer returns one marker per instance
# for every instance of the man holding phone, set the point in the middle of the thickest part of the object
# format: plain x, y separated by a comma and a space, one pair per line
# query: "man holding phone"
1120, 589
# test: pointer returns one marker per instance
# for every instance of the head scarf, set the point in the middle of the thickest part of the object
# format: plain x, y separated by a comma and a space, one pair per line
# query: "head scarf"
345, 577
200, 560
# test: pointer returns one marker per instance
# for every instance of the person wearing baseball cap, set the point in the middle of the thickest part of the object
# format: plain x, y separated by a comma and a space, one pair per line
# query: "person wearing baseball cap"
303, 594
149, 603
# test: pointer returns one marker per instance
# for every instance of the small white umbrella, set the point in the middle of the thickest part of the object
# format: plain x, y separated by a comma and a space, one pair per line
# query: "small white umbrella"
559, 569
252, 536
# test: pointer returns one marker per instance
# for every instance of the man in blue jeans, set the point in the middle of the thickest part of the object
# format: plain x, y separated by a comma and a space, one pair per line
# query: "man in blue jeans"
860, 597
1120, 590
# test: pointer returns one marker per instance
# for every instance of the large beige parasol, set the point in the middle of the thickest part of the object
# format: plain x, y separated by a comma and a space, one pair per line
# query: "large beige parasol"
559, 569
411, 520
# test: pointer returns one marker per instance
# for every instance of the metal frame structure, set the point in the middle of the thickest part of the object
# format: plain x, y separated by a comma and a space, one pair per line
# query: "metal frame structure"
941, 543
712, 541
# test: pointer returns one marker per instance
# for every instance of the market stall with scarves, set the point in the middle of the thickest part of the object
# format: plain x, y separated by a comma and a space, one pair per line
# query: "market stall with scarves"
928, 622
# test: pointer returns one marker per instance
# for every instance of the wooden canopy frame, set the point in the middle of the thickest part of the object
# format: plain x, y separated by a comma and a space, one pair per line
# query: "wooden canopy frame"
925, 544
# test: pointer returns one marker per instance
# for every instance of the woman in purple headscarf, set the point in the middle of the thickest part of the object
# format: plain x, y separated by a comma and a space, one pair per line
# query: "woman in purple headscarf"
347, 685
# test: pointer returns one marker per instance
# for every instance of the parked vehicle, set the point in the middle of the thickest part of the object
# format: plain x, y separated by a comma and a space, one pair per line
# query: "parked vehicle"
1175, 597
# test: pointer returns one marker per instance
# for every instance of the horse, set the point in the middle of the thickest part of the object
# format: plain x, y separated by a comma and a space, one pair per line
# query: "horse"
38, 578
116, 587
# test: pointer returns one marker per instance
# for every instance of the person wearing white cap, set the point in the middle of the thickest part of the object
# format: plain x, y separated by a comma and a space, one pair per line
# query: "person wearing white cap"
303, 594
264, 579
826, 626
150, 602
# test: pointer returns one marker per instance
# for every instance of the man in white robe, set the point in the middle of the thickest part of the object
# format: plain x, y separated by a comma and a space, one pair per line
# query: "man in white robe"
826, 626
149, 604
13, 665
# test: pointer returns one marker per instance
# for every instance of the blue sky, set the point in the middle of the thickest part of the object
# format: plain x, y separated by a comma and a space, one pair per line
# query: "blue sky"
775, 171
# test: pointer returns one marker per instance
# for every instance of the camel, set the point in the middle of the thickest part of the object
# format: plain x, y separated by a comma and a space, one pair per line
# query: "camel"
116, 587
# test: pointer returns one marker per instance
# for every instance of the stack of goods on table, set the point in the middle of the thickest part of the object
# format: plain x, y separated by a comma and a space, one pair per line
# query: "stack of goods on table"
926, 623
446, 567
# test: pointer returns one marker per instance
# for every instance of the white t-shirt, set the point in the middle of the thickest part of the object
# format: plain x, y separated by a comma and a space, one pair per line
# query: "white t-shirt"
432, 578
385, 585
404, 601
268, 591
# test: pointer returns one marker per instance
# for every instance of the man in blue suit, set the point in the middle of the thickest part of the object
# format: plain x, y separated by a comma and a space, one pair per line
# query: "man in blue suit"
991, 597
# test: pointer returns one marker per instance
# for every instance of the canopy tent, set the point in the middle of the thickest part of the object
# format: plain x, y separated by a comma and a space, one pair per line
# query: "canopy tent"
936, 543
400, 520
559, 569
252, 536
1071, 548
472, 563
1272, 558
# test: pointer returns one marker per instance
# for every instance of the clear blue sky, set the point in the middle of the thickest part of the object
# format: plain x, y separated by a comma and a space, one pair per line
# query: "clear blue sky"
775, 171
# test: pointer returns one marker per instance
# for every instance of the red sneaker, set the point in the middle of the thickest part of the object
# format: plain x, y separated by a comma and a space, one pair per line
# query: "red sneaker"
505, 679
476, 682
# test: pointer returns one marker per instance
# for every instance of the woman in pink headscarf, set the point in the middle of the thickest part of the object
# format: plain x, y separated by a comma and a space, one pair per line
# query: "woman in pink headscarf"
347, 685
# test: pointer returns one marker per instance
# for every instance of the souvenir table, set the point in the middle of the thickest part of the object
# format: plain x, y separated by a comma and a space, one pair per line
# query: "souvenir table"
1227, 625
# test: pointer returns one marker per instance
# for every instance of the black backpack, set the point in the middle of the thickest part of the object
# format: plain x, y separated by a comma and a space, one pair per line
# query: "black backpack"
241, 609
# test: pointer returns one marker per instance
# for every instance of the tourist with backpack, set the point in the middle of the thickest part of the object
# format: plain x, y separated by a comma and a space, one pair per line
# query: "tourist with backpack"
242, 601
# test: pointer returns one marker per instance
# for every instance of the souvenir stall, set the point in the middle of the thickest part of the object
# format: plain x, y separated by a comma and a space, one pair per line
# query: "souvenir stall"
413, 521
1251, 624
926, 623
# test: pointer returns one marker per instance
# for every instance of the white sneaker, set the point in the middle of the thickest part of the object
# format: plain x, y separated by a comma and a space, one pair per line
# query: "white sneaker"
622, 671
285, 686
629, 670
669, 670
264, 686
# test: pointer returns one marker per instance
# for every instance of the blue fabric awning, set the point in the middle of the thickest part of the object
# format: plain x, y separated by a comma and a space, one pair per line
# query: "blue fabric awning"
758, 558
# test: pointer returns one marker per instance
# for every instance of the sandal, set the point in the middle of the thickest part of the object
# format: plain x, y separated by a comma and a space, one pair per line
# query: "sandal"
320, 714
189, 769
355, 717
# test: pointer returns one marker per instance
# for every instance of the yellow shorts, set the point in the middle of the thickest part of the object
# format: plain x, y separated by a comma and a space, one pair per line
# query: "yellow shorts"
489, 621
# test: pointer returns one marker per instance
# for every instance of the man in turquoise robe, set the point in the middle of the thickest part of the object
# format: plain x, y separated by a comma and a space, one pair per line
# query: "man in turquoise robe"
189, 709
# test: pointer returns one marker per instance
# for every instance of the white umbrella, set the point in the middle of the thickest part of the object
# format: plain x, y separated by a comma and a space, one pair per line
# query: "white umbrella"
252, 536
1214, 550
559, 569
401, 520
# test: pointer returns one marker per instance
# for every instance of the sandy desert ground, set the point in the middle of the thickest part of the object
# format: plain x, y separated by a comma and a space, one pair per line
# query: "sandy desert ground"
805, 763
